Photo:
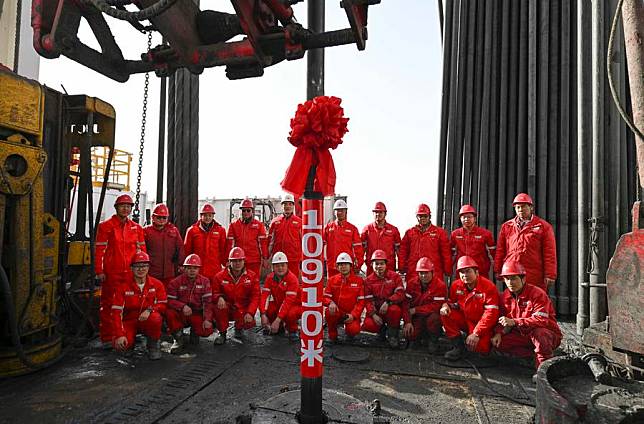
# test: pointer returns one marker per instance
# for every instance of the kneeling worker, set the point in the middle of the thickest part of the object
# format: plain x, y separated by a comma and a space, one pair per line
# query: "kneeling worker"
280, 304
138, 306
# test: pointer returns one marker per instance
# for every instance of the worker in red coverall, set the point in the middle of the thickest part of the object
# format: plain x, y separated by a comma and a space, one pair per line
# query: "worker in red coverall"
473, 241
341, 236
117, 240
164, 245
207, 238
425, 294
384, 295
249, 233
381, 235
529, 240
138, 306
528, 323
280, 306
425, 240
473, 307
189, 304
285, 235
235, 295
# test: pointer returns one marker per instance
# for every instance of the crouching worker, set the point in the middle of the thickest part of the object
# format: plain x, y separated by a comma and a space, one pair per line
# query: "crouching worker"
527, 324
280, 304
344, 299
235, 296
384, 294
189, 304
425, 294
138, 307
473, 307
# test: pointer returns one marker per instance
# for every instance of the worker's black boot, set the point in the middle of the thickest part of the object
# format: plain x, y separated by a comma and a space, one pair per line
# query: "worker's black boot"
178, 344
432, 344
194, 338
221, 338
456, 352
392, 337
154, 348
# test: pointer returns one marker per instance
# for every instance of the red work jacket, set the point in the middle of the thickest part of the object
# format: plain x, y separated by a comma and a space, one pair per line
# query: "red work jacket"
197, 294
480, 306
285, 293
129, 302
116, 243
285, 235
347, 293
476, 244
386, 239
210, 245
342, 237
251, 237
424, 302
241, 293
379, 290
165, 247
431, 243
530, 309
533, 245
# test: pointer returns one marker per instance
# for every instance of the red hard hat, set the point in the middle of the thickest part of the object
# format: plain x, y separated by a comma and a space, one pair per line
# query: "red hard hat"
512, 267
161, 210
247, 203
424, 265
522, 198
423, 209
140, 257
236, 253
124, 199
207, 208
192, 260
379, 255
467, 209
380, 207
466, 262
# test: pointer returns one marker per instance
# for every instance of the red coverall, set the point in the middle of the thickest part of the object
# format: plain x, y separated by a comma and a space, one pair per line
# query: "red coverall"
165, 247
533, 245
476, 244
475, 311
127, 304
210, 245
281, 298
427, 303
241, 295
341, 237
432, 243
377, 291
116, 244
198, 295
252, 239
536, 328
386, 239
285, 235
348, 294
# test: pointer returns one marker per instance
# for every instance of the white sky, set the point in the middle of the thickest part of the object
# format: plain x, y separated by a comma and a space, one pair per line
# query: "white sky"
391, 93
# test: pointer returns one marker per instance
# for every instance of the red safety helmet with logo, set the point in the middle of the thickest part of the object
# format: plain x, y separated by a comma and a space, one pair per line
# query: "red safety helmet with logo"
467, 209
207, 208
236, 253
380, 207
192, 260
379, 255
522, 198
124, 199
423, 209
247, 204
140, 257
466, 262
161, 210
424, 265
512, 268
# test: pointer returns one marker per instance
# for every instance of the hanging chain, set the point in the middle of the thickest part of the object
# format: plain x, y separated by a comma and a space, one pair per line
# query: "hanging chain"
137, 213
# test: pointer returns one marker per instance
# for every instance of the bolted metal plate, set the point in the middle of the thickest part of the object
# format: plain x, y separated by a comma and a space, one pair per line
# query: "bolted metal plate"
349, 354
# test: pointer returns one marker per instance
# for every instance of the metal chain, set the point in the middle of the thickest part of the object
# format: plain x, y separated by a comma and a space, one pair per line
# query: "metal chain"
137, 213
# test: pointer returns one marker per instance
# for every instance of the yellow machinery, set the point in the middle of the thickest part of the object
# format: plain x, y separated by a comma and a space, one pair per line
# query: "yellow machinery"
40, 129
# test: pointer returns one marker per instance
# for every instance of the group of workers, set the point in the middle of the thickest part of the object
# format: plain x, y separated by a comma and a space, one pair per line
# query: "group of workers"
212, 276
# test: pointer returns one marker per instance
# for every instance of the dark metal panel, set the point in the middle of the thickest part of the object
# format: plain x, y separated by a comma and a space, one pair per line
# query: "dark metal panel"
574, 250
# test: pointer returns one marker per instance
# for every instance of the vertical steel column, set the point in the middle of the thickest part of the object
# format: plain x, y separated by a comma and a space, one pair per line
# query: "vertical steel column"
533, 54
501, 200
542, 109
475, 140
513, 107
315, 57
161, 151
522, 124
494, 125
466, 168
171, 146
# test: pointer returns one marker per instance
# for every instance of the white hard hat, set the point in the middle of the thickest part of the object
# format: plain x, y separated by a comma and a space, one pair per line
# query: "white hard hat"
343, 258
279, 258
340, 204
288, 198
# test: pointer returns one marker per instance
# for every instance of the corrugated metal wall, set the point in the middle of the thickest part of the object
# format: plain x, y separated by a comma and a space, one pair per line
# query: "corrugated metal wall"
516, 116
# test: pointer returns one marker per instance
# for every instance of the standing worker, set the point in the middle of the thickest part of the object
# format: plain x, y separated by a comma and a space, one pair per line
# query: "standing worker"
342, 236
280, 304
164, 245
207, 239
117, 240
249, 233
285, 235
529, 240
425, 240
381, 235
473, 241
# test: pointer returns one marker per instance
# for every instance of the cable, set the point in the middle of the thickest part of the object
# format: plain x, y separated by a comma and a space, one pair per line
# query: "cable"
106, 6
503, 395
